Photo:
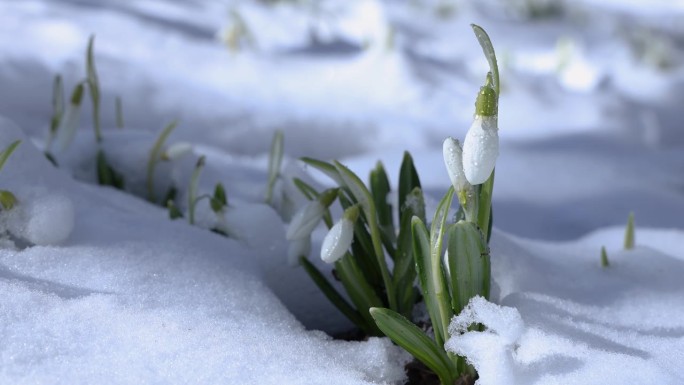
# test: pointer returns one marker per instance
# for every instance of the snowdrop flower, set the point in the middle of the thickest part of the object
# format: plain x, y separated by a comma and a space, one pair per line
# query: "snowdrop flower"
177, 150
481, 144
308, 217
340, 237
68, 125
298, 248
453, 160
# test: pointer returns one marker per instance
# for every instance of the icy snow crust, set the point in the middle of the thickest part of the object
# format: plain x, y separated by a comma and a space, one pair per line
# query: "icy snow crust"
98, 286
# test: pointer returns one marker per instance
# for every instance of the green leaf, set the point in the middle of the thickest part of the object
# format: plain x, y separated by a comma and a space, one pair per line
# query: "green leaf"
326, 168
275, 161
414, 341
604, 257
93, 87
359, 290
468, 263
7, 152
629, 232
408, 182
332, 294
488, 49
7, 200
380, 189
431, 277
174, 212
106, 175
219, 200
484, 210
404, 273
58, 104
155, 156
358, 190
306, 189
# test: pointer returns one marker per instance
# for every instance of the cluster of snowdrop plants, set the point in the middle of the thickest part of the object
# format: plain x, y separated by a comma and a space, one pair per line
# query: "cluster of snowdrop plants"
362, 242
7, 198
65, 120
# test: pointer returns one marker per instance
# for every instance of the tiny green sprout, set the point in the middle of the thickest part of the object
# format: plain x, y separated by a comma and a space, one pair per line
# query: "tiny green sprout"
192, 189
275, 161
118, 107
57, 105
219, 200
629, 232
94, 87
604, 257
174, 212
7, 198
155, 156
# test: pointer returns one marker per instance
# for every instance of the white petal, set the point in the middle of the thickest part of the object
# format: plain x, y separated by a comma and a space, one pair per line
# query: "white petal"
453, 160
177, 150
480, 149
298, 248
305, 221
337, 241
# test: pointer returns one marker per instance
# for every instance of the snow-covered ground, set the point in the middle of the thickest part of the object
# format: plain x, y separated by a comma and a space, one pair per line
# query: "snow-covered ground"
590, 131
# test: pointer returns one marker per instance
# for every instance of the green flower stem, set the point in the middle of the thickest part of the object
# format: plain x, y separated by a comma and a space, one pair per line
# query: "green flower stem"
484, 211
192, 190
155, 155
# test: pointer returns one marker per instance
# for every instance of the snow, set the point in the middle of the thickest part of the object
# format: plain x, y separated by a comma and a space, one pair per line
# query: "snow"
99, 286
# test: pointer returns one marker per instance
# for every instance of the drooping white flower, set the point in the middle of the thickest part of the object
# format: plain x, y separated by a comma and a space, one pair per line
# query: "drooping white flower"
298, 248
480, 149
340, 237
307, 218
453, 160
177, 150
305, 221
68, 125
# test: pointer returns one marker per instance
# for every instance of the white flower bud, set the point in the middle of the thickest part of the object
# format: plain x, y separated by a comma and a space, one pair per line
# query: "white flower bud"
453, 160
298, 248
177, 150
337, 241
305, 221
480, 149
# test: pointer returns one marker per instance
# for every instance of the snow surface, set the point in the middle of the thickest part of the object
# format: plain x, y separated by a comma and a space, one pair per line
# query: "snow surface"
99, 286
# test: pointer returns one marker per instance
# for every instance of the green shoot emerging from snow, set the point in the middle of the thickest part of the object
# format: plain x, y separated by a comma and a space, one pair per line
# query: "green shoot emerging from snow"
155, 157
604, 257
275, 161
629, 232
7, 198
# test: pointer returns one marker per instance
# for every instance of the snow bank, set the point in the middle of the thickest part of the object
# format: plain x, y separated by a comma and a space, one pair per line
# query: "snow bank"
132, 297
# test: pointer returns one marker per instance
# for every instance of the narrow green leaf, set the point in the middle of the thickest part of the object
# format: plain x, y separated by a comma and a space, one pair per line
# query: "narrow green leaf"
7, 200
431, 277
174, 212
484, 210
380, 189
275, 161
488, 49
359, 191
408, 182
326, 168
332, 294
629, 232
219, 200
58, 104
306, 189
404, 273
155, 156
468, 264
359, 290
104, 176
93, 87
414, 341
604, 257
7, 152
